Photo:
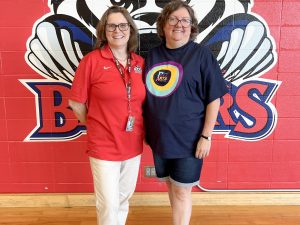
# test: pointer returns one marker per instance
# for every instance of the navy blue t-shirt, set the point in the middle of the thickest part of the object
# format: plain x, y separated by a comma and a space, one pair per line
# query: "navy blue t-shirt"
180, 83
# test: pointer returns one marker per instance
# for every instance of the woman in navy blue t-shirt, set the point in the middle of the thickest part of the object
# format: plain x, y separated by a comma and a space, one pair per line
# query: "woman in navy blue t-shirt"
184, 86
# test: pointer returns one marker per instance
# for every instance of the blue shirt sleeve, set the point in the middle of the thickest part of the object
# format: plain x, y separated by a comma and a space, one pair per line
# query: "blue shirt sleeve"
213, 82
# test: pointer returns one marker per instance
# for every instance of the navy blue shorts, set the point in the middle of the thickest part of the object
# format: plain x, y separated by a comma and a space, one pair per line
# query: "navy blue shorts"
183, 172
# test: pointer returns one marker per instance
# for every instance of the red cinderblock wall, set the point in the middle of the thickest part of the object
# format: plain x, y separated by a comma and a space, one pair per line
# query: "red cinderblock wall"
47, 165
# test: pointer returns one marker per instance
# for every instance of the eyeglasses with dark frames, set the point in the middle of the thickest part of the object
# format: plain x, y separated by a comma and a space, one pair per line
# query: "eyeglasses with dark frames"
185, 22
111, 27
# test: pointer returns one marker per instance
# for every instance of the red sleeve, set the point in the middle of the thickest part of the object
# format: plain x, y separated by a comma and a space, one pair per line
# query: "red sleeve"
81, 82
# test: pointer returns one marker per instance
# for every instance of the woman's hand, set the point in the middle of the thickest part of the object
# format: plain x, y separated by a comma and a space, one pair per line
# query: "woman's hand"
79, 110
203, 148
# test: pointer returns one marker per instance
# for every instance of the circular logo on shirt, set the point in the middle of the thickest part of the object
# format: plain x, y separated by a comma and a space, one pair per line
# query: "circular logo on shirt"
164, 78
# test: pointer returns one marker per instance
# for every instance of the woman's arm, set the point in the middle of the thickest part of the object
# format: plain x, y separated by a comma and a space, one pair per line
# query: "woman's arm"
203, 146
79, 110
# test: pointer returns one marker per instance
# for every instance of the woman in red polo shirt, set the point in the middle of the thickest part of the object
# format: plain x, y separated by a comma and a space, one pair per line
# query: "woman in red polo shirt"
107, 95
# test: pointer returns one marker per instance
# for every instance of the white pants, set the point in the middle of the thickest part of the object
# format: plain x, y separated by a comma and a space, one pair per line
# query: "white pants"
114, 184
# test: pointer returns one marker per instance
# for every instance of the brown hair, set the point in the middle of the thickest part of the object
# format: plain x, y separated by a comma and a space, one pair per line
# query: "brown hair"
100, 30
168, 10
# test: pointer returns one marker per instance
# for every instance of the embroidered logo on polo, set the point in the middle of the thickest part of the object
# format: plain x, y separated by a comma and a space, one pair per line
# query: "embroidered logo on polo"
138, 69
164, 78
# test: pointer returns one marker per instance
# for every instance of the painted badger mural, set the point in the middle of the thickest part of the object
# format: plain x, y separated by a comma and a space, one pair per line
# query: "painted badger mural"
239, 39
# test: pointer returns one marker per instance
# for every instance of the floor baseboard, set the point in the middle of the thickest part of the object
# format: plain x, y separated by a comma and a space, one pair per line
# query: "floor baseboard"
152, 199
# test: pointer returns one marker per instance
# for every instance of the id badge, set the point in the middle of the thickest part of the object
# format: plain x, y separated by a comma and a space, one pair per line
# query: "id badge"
130, 124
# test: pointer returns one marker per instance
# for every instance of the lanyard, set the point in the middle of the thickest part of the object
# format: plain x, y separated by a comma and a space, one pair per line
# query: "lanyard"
129, 82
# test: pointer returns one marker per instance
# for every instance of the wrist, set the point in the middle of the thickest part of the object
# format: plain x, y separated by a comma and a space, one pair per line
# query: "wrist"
206, 137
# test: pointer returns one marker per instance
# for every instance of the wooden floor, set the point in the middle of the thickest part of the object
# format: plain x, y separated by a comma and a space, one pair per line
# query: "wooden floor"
202, 215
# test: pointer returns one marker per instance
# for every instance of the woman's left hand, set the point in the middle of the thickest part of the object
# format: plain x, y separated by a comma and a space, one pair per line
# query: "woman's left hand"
203, 148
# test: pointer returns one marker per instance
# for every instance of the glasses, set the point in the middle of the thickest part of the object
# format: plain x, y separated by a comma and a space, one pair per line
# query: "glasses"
184, 21
111, 27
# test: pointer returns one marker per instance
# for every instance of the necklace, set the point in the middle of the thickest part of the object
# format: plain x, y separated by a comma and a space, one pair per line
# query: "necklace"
123, 60
119, 59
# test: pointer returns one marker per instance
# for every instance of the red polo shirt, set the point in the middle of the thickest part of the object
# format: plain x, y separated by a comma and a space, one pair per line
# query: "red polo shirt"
98, 83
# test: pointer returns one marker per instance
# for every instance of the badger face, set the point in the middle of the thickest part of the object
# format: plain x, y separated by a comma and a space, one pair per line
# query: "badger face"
145, 12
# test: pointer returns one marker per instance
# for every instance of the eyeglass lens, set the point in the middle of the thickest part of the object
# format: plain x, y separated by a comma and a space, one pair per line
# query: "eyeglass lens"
112, 27
184, 21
